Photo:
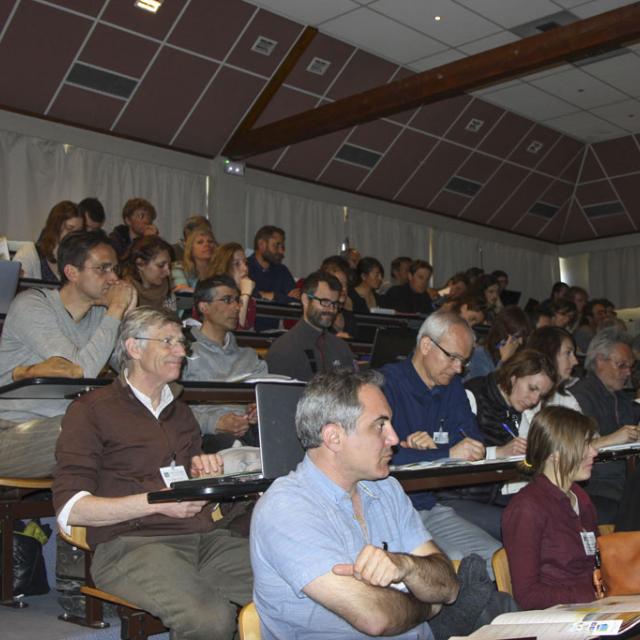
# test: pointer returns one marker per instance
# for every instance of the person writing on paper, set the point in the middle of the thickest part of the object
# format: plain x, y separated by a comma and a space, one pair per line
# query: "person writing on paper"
549, 528
337, 549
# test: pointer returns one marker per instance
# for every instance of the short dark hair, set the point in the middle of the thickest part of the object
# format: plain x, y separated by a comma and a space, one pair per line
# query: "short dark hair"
368, 264
205, 288
75, 248
133, 204
511, 320
396, 263
499, 273
461, 276
335, 263
558, 286
93, 208
420, 264
264, 233
588, 309
314, 279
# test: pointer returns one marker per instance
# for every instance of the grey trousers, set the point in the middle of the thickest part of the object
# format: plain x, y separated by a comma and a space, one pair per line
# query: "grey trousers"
458, 537
193, 583
27, 449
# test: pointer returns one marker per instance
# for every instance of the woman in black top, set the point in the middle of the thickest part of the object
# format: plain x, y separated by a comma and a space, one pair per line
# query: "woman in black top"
363, 295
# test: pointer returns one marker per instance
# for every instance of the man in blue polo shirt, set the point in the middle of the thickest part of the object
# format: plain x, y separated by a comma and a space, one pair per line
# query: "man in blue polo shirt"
337, 549
434, 420
273, 279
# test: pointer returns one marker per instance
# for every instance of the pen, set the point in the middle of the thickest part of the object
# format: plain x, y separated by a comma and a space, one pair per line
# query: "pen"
462, 433
508, 430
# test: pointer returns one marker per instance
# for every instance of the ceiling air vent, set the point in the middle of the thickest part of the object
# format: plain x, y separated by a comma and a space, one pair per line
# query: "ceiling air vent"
545, 23
358, 155
604, 209
463, 187
318, 66
544, 210
264, 46
474, 125
534, 146
105, 81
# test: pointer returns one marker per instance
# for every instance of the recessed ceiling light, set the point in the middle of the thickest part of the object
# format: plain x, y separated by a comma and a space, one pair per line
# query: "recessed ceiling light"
148, 5
437, 18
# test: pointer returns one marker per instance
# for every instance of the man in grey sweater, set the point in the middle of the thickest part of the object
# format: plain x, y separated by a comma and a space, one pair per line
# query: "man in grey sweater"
217, 356
76, 328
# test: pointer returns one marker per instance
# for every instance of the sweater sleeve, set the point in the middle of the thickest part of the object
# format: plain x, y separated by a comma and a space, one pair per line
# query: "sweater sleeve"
27, 256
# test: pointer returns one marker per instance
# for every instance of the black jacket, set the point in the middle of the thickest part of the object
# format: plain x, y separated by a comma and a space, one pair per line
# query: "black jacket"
120, 239
404, 299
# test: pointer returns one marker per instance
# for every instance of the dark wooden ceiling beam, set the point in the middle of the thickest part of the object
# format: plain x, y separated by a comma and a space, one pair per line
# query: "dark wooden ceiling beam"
271, 88
597, 34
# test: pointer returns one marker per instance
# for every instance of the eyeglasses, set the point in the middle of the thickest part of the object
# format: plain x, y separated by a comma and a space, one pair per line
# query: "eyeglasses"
453, 357
325, 302
621, 366
169, 342
228, 299
104, 269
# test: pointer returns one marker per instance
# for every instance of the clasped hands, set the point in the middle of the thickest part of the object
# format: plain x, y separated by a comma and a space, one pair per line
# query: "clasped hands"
376, 567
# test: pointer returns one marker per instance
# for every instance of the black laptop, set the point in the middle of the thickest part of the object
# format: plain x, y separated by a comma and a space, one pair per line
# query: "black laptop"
392, 344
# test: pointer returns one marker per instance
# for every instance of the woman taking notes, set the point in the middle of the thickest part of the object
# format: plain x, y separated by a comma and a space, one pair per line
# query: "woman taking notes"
549, 528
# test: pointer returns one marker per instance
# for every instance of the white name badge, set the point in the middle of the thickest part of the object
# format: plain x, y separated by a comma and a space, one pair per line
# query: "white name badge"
441, 437
589, 542
173, 473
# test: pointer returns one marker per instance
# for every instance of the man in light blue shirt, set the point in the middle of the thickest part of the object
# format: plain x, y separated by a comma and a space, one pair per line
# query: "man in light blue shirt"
337, 549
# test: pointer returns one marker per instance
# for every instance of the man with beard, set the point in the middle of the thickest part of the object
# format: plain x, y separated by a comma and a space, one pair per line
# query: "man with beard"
273, 280
309, 348
217, 356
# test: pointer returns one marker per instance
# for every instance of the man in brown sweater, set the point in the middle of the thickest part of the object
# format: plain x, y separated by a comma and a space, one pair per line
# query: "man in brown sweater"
116, 444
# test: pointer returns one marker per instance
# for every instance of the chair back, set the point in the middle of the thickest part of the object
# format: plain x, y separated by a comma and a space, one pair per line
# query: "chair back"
249, 623
77, 537
500, 564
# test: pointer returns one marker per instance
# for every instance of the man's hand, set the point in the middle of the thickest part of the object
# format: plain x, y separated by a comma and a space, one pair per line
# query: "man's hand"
508, 347
206, 464
376, 567
151, 230
266, 295
53, 367
236, 425
181, 509
120, 298
419, 440
468, 449
252, 413
295, 293
515, 447
624, 435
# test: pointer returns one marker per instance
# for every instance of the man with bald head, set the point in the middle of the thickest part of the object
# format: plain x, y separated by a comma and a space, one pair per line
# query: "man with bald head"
433, 419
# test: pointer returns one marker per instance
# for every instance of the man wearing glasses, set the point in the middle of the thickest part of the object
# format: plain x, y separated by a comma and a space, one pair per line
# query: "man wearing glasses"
217, 356
309, 348
66, 332
134, 436
601, 395
433, 420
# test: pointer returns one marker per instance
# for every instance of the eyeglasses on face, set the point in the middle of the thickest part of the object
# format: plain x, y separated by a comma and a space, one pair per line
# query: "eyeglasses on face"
104, 269
228, 299
453, 357
621, 366
327, 303
169, 342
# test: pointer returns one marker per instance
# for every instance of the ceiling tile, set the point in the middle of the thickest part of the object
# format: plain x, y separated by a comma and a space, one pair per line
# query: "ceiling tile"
457, 24
559, 156
553, 231
343, 175
312, 13
307, 159
376, 135
529, 225
285, 103
87, 108
549, 71
627, 188
579, 89
478, 167
265, 160
530, 102
591, 168
364, 71
6, 6
436, 60
480, 111
211, 27
491, 42
436, 118
612, 225
558, 193
125, 14
44, 60
166, 94
404, 116
585, 126
266, 24
577, 227
618, 156
528, 192
224, 104
596, 7
572, 172
524, 153
512, 13
326, 48
398, 164
447, 203
375, 32
625, 114
118, 51
595, 193
493, 87
620, 72
506, 135
88, 7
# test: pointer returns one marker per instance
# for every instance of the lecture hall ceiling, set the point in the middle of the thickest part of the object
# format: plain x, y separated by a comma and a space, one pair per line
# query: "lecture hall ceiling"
554, 155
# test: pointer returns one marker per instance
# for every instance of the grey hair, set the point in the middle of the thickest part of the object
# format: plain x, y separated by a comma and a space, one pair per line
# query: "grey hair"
439, 323
332, 398
603, 343
136, 324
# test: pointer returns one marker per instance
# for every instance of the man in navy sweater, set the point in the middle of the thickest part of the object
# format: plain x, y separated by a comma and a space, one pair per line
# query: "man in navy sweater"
433, 420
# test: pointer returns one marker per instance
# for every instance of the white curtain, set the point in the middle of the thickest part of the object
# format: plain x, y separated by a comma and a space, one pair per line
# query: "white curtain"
615, 274
386, 238
452, 252
35, 174
314, 229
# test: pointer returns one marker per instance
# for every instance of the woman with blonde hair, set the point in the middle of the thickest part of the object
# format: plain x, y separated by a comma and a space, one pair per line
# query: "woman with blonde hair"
230, 259
549, 528
196, 263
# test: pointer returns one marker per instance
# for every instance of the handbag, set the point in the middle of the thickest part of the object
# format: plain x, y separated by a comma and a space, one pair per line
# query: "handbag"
618, 555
